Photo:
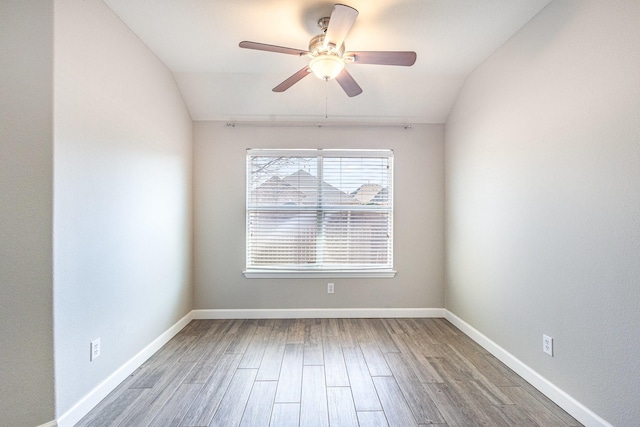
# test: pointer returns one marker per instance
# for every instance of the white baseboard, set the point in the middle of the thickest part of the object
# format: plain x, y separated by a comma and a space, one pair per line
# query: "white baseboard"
49, 424
546, 387
82, 408
327, 313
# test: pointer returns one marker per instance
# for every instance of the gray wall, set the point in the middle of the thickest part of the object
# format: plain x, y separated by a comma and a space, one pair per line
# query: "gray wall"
26, 172
122, 197
543, 201
219, 224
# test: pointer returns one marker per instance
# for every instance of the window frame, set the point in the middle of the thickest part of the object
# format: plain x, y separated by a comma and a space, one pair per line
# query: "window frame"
386, 271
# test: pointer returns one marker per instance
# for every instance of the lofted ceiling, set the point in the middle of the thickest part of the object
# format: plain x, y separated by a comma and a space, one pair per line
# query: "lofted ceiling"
198, 41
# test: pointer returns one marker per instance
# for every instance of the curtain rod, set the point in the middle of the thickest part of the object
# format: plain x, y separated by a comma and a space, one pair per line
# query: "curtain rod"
316, 124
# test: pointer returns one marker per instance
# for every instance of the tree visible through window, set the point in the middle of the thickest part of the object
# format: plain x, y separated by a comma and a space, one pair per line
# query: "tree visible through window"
319, 210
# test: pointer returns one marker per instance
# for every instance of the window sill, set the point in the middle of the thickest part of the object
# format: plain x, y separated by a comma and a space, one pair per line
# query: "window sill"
337, 274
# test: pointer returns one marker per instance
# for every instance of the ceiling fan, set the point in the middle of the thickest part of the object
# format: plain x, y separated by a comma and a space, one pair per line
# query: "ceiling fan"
328, 56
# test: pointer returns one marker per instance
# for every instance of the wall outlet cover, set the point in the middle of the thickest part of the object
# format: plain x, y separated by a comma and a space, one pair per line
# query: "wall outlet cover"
547, 345
96, 349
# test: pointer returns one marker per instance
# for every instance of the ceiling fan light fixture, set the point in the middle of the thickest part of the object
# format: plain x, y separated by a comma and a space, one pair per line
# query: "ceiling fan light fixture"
326, 67
327, 54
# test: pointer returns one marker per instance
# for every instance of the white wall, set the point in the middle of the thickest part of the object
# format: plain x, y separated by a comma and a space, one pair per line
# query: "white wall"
219, 203
26, 145
122, 217
543, 201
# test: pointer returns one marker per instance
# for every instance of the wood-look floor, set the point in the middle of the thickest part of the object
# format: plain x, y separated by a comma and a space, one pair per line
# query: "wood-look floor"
324, 372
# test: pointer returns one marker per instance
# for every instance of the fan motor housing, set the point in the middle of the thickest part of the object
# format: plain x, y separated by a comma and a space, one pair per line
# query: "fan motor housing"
317, 47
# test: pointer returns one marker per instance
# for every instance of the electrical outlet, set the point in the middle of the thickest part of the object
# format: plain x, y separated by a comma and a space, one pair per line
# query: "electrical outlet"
96, 348
329, 288
547, 345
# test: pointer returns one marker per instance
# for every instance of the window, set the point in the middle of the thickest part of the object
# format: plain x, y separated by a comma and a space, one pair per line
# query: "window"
326, 213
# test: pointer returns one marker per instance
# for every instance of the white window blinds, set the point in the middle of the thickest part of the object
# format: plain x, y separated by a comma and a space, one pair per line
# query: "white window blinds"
319, 210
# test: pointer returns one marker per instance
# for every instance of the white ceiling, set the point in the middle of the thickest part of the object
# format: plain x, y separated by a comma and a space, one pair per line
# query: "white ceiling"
198, 40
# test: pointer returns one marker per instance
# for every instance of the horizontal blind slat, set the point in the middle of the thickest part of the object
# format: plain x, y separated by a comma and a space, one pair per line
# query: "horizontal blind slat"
324, 208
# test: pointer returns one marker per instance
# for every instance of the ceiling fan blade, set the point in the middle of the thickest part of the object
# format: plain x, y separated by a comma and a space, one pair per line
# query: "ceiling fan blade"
272, 48
383, 58
304, 72
341, 21
348, 83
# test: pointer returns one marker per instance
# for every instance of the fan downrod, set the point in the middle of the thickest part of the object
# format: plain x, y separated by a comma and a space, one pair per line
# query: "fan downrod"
323, 24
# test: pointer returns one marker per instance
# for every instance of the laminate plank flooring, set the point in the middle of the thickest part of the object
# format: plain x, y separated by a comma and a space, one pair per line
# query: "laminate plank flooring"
313, 403
372, 419
393, 403
290, 379
324, 372
335, 368
285, 415
232, 405
362, 388
260, 405
342, 411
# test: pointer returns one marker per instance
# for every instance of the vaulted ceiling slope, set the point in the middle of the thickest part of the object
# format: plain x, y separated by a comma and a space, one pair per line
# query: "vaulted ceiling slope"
198, 41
